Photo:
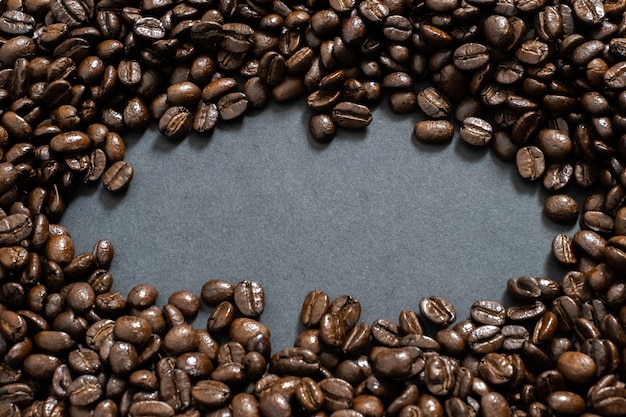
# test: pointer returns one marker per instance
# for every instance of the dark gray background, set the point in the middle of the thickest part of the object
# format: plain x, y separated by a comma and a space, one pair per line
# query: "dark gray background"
375, 215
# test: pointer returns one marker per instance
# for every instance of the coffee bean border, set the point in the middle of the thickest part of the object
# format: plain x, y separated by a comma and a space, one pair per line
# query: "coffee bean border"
541, 83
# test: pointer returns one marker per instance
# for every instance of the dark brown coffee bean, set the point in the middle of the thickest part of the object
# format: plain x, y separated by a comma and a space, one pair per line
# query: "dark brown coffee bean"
614, 77
403, 102
211, 393
149, 28
561, 208
433, 103
205, 118
562, 249
597, 221
488, 312
129, 73
232, 105
351, 115
471, 56
72, 12
275, 404
70, 142
566, 311
175, 123
217, 290
557, 176
494, 404
533, 52
476, 131
485, 339
530, 162
151, 408
185, 94
60, 249
576, 367
437, 310
526, 126
15, 228
118, 176
17, 47
566, 402
434, 131
332, 330
313, 307
295, 361
322, 128
386, 333
249, 298
221, 317
122, 358
396, 362
84, 391
590, 244
135, 330
142, 296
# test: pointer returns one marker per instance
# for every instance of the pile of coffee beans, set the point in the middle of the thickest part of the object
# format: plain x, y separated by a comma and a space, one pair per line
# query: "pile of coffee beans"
542, 83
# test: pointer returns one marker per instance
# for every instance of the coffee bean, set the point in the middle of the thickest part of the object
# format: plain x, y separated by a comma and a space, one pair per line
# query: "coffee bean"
322, 128
249, 298
151, 408
205, 118
433, 103
142, 296
217, 290
175, 123
437, 310
488, 312
211, 393
118, 176
351, 115
530, 162
471, 56
576, 367
132, 329
72, 12
434, 131
232, 105
476, 131
561, 208
313, 307
396, 362
221, 317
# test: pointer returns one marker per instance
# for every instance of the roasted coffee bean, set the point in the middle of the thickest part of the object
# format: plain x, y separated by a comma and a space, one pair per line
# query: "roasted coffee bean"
313, 307
232, 105
434, 131
249, 298
476, 131
562, 250
561, 208
351, 115
215, 291
211, 393
437, 310
433, 103
576, 367
151, 408
531, 162
488, 312
485, 339
221, 317
118, 176
471, 56
205, 118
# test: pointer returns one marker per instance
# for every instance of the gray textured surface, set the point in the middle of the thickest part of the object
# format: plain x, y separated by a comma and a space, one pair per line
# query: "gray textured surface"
374, 215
